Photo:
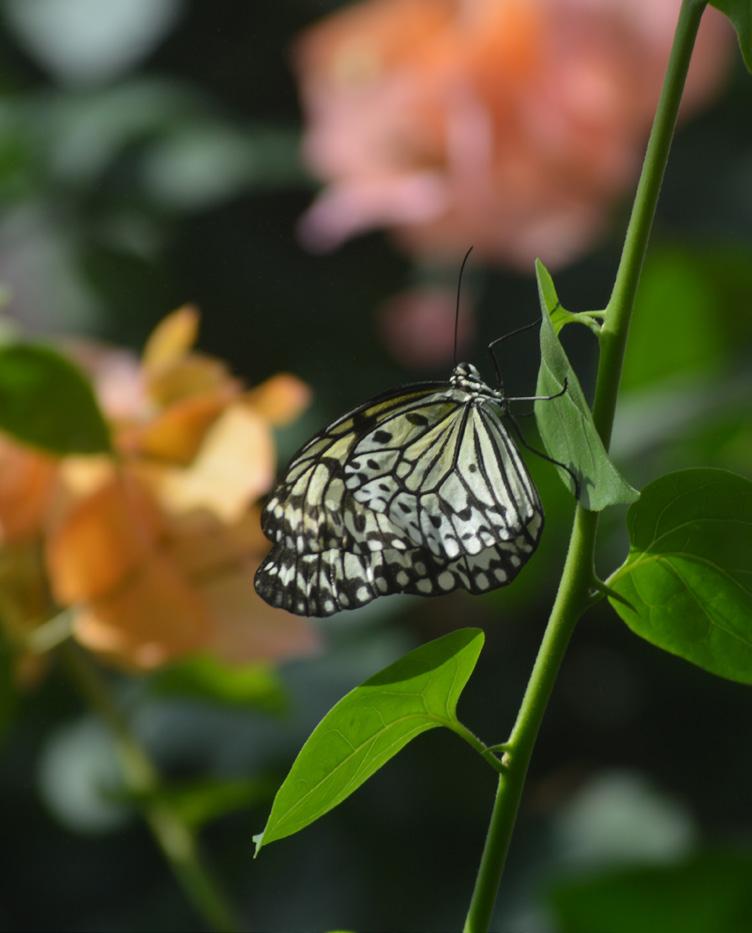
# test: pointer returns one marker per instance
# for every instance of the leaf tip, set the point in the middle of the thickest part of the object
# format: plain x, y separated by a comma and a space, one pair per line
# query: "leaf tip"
543, 277
470, 635
258, 842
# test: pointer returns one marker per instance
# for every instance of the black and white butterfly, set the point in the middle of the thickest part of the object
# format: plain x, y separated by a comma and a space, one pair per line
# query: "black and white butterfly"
419, 490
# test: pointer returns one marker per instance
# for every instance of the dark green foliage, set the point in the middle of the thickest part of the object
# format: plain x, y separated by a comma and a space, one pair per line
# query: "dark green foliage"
740, 14
207, 679
707, 893
566, 424
369, 726
46, 401
687, 582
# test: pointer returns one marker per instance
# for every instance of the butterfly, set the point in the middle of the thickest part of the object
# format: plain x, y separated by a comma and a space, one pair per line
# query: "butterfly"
419, 490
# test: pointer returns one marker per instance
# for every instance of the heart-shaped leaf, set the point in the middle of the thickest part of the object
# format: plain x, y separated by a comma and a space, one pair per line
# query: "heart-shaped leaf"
686, 584
369, 726
566, 424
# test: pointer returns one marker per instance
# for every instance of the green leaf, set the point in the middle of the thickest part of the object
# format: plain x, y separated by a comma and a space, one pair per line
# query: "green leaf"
677, 297
688, 577
46, 401
202, 161
199, 802
566, 424
205, 678
740, 14
369, 726
560, 317
706, 893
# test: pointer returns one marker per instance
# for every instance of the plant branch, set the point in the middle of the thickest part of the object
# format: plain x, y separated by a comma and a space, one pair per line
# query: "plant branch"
51, 633
578, 577
477, 744
173, 836
616, 324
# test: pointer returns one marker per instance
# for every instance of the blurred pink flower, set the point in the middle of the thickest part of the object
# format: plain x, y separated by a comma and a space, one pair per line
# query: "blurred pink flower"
418, 327
511, 126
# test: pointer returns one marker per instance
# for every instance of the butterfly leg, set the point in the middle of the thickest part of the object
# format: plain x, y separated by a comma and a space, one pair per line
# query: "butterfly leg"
539, 453
541, 398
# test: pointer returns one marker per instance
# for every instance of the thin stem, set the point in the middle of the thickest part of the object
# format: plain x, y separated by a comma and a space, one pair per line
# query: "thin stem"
175, 839
616, 325
571, 598
477, 744
51, 633
578, 577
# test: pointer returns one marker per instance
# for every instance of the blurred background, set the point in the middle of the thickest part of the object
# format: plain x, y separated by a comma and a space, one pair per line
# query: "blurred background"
309, 175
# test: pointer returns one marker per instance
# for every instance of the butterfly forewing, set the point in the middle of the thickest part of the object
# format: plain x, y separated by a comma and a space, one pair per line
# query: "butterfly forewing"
457, 487
311, 508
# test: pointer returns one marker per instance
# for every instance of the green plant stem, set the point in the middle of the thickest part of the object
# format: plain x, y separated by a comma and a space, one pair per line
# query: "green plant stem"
619, 309
175, 839
571, 601
477, 744
578, 580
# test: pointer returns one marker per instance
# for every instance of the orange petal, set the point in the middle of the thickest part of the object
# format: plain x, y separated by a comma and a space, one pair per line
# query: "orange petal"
171, 339
155, 617
100, 539
280, 399
191, 375
79, 477
233, 468
246, 629
176, 433
26, 481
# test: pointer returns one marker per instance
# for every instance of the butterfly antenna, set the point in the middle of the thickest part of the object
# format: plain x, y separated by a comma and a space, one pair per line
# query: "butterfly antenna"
457, 305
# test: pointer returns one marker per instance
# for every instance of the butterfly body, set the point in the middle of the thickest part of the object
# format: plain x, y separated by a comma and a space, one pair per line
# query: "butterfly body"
420, 490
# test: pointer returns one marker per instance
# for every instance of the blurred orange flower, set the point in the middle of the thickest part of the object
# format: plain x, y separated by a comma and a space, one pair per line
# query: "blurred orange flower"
511, 126
154, 553
26, 481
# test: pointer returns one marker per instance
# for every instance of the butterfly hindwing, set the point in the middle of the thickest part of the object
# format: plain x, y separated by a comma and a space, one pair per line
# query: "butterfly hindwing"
325, 582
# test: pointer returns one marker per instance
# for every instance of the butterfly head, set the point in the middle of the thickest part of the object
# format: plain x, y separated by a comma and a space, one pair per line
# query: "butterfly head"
466, 376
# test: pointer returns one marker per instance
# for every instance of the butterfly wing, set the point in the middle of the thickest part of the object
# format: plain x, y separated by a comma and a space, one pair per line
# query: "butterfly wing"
418, 491
325, 582
454, 484
311, 509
